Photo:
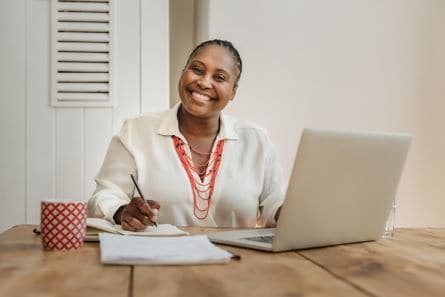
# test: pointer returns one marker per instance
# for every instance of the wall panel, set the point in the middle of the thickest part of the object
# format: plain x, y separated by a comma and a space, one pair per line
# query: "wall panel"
40, 116
154, 67
98, 133
182, 41
70, 154
49, 152
128, 59
12, 113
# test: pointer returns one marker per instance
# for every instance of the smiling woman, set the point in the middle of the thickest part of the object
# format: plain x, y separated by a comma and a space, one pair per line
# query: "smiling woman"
203, 167
209, 80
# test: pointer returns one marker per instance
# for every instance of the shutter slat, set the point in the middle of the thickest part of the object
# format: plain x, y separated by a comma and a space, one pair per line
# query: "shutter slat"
86, 6
82, 67
83, 16
107, 1
82, 57
82, 87
83, 47
82, 77
73, 36
83, 27
82, 96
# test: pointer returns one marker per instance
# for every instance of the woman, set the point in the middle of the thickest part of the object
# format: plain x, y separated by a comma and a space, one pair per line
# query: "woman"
204, 168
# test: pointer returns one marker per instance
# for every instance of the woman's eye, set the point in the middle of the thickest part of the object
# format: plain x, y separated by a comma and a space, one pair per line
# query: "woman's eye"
220, 78
197, 70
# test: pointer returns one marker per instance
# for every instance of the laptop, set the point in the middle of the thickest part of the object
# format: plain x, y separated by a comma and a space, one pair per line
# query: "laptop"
342, 189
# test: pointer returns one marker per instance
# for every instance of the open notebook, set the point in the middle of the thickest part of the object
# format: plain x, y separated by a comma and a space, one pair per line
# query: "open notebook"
96, 226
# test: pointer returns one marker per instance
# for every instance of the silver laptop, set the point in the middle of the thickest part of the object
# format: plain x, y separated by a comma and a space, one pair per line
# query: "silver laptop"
341, 190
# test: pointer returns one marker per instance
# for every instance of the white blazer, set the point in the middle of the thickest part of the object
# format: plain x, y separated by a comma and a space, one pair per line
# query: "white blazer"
248, 190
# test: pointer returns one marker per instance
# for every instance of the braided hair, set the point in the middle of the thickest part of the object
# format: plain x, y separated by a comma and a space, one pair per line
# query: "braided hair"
225, 44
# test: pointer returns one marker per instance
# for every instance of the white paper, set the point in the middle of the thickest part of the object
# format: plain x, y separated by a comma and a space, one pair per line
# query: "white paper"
160, 230
135, 250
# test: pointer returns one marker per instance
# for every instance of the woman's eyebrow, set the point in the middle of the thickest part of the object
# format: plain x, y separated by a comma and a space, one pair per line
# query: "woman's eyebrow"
196, 61
203, 64
223, 70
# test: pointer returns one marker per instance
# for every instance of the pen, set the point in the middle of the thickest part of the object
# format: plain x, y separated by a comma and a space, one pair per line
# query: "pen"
140, 193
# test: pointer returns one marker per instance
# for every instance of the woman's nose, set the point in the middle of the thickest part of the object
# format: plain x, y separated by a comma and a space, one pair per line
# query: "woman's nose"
204, 83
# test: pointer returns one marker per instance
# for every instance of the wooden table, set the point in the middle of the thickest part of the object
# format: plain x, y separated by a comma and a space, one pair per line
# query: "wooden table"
410, 264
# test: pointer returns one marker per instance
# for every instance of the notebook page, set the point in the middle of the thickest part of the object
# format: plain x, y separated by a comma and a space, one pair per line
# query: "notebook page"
160, 230
135, 250
101, 224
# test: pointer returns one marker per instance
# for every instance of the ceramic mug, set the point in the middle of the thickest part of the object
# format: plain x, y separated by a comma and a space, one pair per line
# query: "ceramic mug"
63, 224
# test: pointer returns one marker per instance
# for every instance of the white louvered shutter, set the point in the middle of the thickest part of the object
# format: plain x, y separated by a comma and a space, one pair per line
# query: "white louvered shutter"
82, 53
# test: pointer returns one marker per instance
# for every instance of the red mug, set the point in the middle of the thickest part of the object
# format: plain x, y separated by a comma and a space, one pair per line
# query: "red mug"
63, 224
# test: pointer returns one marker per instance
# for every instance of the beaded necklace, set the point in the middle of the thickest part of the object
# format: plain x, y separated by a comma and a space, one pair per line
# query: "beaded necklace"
202, 191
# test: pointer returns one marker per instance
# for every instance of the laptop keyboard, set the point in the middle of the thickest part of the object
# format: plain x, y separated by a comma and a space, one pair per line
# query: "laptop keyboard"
265, 239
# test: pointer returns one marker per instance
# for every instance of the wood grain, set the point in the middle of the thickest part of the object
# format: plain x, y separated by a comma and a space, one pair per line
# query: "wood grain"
388, 267
411, 264
27, 270
256, 274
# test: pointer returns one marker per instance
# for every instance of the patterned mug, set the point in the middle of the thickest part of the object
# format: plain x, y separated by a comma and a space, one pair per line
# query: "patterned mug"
63, 224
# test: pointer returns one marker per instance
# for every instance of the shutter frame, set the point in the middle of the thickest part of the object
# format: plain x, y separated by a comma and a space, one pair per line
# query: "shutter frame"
82, 72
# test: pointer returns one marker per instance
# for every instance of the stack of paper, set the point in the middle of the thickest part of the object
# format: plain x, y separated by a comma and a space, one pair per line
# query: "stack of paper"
135, 250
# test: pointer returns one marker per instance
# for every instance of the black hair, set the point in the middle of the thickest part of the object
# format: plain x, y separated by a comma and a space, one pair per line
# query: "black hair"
225, 44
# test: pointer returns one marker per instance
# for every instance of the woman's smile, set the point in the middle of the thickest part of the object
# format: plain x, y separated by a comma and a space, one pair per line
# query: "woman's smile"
199, 96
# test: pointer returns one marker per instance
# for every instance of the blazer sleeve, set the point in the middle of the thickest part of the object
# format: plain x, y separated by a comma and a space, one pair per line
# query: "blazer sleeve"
113, 184
272, 195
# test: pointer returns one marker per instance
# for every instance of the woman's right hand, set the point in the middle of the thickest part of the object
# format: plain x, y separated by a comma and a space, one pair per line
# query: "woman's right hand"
138, 214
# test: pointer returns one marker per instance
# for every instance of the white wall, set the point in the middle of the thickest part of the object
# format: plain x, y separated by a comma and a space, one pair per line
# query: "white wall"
51, 152
374, 65
182, 35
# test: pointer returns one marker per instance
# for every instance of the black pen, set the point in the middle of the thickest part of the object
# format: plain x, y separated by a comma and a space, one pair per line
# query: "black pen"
140, 193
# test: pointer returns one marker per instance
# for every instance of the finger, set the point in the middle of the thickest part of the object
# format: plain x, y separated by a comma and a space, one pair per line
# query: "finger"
137, 202
127, 226
145, 209
150, 219
138, 208
154, 204
143, 212
143, 216
141, 205
135, 223
154, 218
147, 220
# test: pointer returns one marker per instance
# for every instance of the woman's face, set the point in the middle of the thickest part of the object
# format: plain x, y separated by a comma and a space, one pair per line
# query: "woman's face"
207, 83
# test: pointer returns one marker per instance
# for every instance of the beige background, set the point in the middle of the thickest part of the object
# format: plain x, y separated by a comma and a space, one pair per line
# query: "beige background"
346, 64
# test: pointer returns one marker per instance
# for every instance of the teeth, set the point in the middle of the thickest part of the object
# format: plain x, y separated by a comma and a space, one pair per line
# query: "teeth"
200, 97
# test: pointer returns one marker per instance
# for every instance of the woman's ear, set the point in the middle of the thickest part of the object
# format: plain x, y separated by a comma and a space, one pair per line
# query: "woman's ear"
235, 87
